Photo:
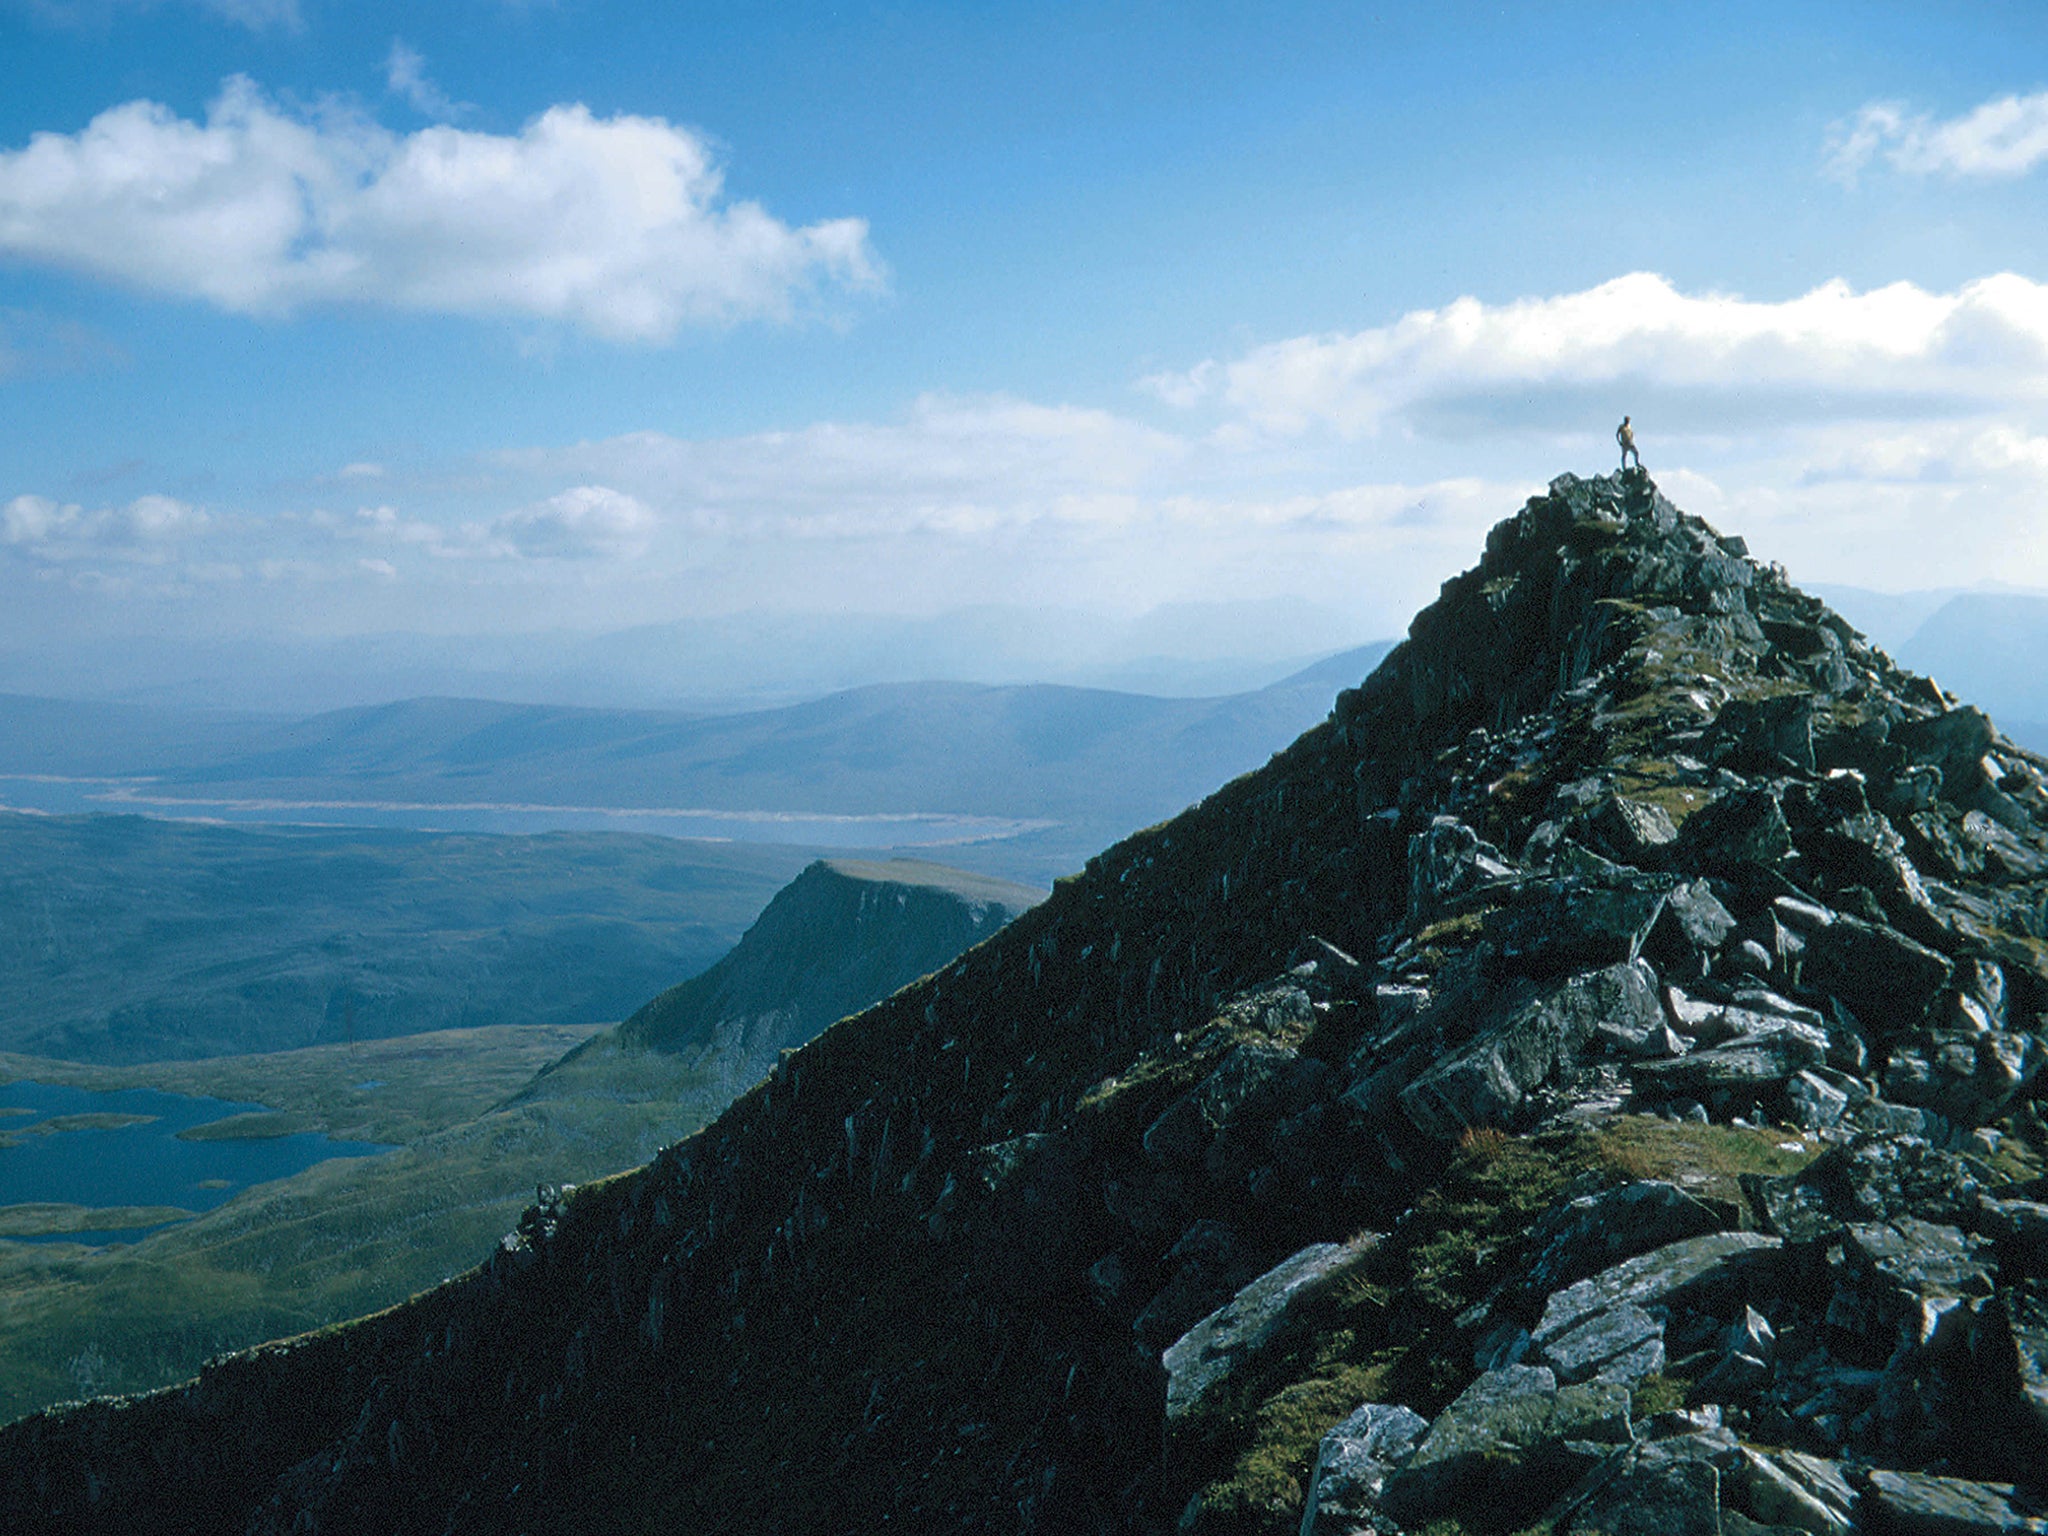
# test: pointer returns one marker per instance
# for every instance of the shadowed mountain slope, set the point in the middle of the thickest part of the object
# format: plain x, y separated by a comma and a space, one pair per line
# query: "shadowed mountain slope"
842, 934
1667, 1158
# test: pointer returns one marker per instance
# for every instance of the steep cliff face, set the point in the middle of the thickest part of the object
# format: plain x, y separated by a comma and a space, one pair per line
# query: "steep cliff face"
1588, 1080
843, 933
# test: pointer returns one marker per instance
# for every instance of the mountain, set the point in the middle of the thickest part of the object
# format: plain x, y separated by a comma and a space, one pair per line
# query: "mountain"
354, 1234
124, 938
841, 936
708, 663
1025, 781
1589, 1081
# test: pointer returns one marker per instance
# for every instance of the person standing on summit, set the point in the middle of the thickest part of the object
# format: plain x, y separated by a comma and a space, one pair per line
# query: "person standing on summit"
1626, 436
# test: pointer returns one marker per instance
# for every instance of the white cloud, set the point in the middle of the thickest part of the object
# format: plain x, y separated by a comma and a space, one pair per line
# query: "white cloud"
835, 478
1707, 358
147, 531
405, 75
2004, 137
616, 225
256, 15
585, 522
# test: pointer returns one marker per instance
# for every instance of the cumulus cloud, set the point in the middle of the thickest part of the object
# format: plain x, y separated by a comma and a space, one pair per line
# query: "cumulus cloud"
617, 225
2004, 137
147, 531
583, 523
1708, 358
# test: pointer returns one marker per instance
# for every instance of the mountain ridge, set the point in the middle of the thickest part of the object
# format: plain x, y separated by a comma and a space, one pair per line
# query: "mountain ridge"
1161, 1209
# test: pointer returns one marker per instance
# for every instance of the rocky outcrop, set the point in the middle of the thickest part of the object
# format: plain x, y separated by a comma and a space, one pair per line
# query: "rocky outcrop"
1653, 965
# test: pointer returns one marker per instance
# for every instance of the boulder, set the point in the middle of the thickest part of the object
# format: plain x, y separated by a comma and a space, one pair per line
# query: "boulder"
1487, 1081
1511, 1442
1353, 1464
1688, 1271
1207, 1354
1554, 927
1595, 1232
1887, 980
1921, 1504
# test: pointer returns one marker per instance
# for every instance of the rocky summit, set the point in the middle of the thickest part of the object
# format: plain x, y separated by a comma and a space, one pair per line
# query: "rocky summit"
1588, 1084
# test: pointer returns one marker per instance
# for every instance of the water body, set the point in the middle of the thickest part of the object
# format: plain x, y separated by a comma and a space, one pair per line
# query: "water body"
915, 829
140, 1164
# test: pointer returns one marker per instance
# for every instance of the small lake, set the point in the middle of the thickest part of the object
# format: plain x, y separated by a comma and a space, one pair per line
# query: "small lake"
142, 1162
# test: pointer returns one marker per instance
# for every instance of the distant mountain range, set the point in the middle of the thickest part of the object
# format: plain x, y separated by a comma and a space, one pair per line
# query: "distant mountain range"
711, 663
1986, 646
1061, 771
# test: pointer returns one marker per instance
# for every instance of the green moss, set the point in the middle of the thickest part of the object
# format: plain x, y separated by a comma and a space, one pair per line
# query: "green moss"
1658, 1394
1465, 926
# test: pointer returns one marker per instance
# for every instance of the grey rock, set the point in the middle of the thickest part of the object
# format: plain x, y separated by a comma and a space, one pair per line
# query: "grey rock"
1887, 980
1508, 1440
1353, 1463
1208, 1353
1789, 1488
1611, 1345
1487, 1081
1720, 1261
1671, 1497
1554, 927
1595, 1232
1921, 1504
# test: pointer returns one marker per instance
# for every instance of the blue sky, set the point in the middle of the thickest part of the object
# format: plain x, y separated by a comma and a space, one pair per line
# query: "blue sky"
488, 316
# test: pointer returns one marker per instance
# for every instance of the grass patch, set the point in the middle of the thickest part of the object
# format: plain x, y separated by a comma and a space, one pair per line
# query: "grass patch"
257, 1125
1704, 1160
49, 1219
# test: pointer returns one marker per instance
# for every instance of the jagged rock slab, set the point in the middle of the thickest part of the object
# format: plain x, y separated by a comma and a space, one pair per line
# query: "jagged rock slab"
1656, 1279
1353, 1462
1204, 1357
